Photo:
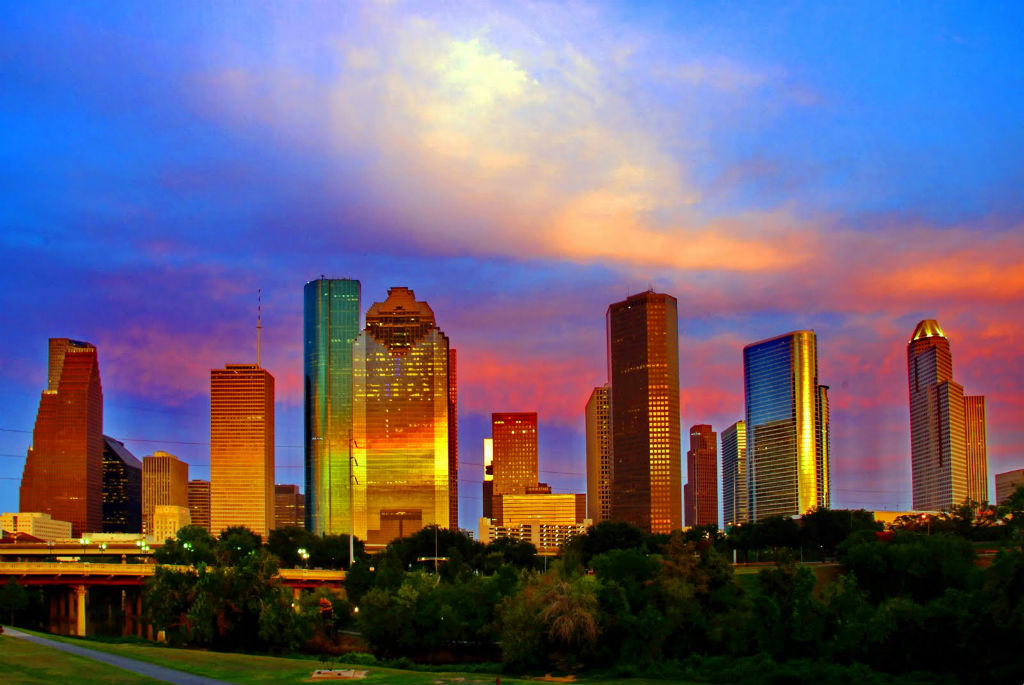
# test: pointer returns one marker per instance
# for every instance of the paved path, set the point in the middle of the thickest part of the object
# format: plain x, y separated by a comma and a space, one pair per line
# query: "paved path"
168, 675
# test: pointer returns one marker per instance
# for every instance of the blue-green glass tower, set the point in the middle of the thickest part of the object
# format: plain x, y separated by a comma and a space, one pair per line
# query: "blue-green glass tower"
331, 324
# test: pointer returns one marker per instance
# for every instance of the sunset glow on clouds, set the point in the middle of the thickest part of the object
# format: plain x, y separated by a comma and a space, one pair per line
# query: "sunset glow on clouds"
851, 170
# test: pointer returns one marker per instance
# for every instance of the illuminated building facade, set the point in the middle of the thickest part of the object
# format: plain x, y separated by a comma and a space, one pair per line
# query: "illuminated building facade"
36, 524
289, 507
545, 520
977, 448
164, 482
643, 371
242, 448
786, 425
734, 474
487, 494
514, 436
947, 430
599, 455
122, 488
331, 324
1007, 483
63, 473
199, 503
453, 440
168, 519
700, 495
401, 400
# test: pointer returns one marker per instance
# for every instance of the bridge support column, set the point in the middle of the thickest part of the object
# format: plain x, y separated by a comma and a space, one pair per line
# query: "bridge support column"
80, 614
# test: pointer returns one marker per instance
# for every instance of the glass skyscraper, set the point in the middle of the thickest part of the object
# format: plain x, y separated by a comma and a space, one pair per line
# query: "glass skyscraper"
331, 324
643, 372
947, 430
700, 494
599, 455
401, 429
734, 474
786, 425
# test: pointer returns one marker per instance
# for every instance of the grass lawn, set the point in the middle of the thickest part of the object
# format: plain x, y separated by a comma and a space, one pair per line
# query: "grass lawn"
249, 669
25, 663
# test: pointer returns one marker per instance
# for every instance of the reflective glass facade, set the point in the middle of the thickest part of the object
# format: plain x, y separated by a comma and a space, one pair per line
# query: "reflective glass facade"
400, 420
977, 448
643, 371
122, 488
787, 426
734, 474
330, 325
938, 434
63, 473
199, 503
599, 456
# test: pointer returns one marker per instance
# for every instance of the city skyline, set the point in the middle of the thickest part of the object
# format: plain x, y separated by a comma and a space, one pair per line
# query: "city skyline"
520, 170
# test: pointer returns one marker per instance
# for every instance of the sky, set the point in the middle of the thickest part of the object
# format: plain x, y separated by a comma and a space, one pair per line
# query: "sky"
851, 168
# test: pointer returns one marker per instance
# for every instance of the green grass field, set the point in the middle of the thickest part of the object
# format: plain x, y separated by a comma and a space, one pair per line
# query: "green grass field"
250, 669
25, 663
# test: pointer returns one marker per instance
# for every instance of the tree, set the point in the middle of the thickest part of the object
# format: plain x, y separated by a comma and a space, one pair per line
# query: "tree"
606, 536
286, 542
235, 544
13, 598
192, 546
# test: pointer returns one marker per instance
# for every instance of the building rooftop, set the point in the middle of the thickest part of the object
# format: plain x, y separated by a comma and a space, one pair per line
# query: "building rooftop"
929, 328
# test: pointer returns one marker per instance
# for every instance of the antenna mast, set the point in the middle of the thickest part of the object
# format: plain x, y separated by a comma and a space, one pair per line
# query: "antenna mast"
259, 324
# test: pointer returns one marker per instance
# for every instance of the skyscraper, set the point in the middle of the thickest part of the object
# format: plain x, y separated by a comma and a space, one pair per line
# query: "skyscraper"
199, 503
122, 488
487, 491
786, 425
643, 371
401, 400
453, 440
941, 474
164, 483
289, 507
977, 448
599, 455
700, 495
331, 324
242, 448
514, 436
734, 474
63, 473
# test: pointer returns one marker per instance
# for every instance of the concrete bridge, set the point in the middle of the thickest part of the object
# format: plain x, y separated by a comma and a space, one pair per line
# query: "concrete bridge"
117, 588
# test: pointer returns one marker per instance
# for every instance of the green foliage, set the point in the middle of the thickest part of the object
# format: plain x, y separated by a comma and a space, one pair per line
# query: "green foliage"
604, 537
13, 598
192, 546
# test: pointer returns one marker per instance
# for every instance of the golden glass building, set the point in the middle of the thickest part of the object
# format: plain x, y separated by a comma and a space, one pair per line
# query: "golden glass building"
947, 430
199, 503
734, 474
242, 448
599, 455
331, 310
401, 430
164, 482
787, 426
977, 448
643, 372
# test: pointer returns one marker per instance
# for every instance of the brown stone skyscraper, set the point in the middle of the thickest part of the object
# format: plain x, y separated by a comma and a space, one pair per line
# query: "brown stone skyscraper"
599, 456
643, 370
700, 495
63, 473
242, 448
514, 436
939, 414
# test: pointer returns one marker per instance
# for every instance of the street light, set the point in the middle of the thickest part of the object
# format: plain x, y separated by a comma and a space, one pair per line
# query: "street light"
85, 543
304, 555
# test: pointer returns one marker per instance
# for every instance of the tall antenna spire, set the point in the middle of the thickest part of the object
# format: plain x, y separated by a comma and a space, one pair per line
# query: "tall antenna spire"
259, 324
